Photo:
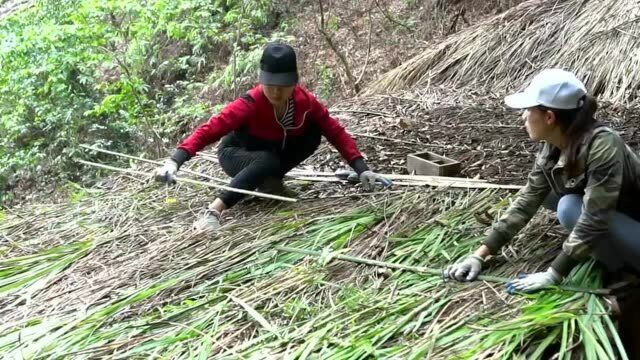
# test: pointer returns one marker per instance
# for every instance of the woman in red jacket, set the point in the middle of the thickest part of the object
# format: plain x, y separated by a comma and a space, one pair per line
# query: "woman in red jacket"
265, 134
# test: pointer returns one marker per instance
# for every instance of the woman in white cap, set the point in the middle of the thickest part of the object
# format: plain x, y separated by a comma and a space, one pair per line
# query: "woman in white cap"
266, 133
584, 170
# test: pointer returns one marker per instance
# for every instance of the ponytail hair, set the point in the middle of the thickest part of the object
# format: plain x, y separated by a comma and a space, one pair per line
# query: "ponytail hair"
575, 124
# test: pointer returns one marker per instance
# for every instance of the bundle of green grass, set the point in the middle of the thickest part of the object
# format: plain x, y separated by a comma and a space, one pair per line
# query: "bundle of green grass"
116, 273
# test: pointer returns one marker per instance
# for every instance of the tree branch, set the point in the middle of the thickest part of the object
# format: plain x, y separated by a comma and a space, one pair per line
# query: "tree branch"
390, 18
341, 56
366, 61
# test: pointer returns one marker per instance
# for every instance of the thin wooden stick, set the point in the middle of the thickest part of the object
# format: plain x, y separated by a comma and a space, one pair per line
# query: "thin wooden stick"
150, 162
195, 182
361, 194
423, 269
335, 179
366, 112
398, 140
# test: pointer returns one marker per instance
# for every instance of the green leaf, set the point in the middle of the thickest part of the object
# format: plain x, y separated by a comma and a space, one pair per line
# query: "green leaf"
256, 316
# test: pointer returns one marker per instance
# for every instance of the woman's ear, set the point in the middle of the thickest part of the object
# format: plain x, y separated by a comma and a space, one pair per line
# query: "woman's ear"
550, 118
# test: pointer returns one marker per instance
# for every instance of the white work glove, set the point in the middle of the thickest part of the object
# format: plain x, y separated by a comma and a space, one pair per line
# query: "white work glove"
209, 221
532, 282
369, 178
466, 270
167, 172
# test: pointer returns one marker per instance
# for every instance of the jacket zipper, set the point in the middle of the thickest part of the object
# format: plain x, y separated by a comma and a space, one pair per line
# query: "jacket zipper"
552, 180
297, 127
554, 185
284, 130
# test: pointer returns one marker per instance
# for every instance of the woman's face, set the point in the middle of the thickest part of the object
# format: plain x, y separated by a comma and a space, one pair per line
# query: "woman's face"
540, 124
277, 95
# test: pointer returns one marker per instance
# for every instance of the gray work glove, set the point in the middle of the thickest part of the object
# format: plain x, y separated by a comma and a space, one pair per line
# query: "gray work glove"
532, 282
167, 173
465, 270
369, 178
208, 222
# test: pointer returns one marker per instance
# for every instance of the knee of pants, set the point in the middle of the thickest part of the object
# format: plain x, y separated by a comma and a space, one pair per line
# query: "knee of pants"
308, 143
316, 138
569, 210
235, 161
551, 201
269, 163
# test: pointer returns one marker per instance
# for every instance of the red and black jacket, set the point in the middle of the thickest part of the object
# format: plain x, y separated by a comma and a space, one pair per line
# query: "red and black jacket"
251, 120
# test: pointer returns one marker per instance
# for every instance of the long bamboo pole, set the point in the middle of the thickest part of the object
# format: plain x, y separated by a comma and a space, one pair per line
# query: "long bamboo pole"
439, 183
424, 270
300, 172
190, 181
115, 153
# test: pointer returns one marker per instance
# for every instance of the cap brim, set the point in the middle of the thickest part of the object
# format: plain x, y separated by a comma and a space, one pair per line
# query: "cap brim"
521, 101
278, 79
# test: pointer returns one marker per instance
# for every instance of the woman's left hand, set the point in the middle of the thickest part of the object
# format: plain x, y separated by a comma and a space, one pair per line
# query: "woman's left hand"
533, 282
369, 178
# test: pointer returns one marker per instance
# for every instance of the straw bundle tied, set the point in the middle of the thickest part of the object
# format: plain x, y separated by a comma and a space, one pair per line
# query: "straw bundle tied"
116, 273
598, 40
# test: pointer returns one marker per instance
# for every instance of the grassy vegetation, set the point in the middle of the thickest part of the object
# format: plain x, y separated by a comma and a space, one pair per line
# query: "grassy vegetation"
122, 74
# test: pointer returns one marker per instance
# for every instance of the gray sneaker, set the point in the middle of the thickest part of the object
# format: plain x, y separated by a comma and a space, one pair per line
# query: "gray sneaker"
275, 186
209, 221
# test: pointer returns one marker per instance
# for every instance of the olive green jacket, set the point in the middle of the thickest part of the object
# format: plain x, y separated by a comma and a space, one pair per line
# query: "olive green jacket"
608, 177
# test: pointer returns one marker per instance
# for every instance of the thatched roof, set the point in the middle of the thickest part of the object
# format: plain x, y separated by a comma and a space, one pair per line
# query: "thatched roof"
598, 40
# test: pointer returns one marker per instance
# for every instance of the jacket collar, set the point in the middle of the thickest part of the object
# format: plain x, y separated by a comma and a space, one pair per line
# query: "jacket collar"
552, 158
300, 97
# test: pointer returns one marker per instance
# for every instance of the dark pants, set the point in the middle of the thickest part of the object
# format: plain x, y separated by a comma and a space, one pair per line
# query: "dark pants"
620, 249
249, 169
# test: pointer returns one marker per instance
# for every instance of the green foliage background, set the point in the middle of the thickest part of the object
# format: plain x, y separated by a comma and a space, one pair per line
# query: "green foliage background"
128, 75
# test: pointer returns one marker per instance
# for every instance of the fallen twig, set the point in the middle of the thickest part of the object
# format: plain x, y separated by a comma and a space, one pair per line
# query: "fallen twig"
396, 140
366, 112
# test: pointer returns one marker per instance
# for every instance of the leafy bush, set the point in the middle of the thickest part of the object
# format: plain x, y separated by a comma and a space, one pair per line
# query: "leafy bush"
113, 73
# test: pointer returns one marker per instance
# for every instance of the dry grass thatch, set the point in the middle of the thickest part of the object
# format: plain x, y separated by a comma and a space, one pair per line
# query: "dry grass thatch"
599, 40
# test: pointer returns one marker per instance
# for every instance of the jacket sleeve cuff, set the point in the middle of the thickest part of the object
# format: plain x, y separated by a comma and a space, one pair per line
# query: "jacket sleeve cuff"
180, 156
563, 264
495, 241
359, 165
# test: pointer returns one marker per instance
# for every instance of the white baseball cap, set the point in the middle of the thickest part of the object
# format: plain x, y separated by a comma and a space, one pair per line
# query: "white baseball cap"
552, 88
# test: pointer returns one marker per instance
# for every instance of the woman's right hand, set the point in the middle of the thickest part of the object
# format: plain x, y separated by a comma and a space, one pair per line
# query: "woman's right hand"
465, 270
167, 173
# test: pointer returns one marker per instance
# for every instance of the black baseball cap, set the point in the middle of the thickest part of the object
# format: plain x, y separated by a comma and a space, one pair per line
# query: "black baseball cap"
278, 65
